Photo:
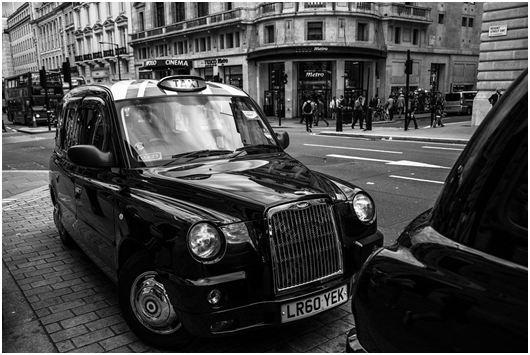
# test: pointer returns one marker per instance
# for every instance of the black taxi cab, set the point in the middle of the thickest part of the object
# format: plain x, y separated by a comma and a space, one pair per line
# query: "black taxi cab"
182, 193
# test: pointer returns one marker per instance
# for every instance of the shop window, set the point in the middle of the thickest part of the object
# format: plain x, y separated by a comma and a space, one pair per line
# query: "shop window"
397, 35
269, 34
362, 32
441, 18
314, 31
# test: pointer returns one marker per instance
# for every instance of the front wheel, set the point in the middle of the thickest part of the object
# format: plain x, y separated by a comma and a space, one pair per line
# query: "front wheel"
146, 306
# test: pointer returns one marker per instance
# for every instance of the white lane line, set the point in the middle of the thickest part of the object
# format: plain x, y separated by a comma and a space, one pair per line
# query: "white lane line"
409, 178
443, 148
363, 149
390, 162
26, 171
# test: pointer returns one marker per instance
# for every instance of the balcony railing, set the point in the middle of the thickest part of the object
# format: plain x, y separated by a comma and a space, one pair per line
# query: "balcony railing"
97, 55
108, 53
218, 18
314, 5
87, 56
411, 12
367, 6
78, 58
121, 50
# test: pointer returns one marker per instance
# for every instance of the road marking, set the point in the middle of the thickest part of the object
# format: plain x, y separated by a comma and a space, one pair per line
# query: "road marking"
443, 148
26, 171
363, 149
423, 180
390, 162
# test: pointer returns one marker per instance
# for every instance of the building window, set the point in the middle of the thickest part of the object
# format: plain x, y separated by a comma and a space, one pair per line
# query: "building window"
228, 6
221, 41
269, 34
141, 21
415, 37
470, 22
314, 31
159, 14
397, 35
202, 9
98, 12
202, 47
441, 18
362, 34
464, 21
178, 11
237, 43
229, 40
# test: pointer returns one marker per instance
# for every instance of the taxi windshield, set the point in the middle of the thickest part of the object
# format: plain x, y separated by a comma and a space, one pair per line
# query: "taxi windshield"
165, 128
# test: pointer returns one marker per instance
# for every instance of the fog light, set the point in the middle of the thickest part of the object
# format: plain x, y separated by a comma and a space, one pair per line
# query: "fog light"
215, 297
222, 326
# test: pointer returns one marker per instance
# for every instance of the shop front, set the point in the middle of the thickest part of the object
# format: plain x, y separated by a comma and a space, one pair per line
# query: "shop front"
315, 83
224, 70
160, 68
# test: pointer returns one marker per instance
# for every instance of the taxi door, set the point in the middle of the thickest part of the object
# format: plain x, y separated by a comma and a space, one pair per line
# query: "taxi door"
95, 188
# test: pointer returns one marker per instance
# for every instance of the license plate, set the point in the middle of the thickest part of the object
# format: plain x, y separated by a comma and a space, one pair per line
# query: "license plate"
315, 304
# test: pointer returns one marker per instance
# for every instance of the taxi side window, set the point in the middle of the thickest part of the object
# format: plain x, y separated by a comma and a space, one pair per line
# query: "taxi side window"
94, 123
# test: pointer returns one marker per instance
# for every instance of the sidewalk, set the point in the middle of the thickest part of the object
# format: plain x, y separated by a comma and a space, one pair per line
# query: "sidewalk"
457, 133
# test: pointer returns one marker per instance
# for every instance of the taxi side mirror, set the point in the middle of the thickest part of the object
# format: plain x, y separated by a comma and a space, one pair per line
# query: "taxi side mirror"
283, 138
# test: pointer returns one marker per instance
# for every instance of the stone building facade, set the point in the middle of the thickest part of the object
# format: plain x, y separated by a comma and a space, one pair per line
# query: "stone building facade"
503, 51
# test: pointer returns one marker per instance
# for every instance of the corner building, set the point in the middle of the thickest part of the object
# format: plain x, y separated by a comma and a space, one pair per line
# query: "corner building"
281, 52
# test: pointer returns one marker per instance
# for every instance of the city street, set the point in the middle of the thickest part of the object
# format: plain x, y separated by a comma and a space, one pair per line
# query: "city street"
60, 297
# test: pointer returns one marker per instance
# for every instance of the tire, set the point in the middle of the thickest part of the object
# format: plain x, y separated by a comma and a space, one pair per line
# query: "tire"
146, 307
66, 239
468, 111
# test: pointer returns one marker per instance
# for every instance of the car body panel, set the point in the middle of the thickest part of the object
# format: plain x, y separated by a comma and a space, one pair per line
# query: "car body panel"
456, 280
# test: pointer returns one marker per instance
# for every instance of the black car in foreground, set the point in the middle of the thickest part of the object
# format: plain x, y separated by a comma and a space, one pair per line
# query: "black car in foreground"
181, 192
456, 280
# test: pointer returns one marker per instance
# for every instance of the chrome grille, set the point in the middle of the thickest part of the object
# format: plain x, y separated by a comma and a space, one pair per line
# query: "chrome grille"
304, 242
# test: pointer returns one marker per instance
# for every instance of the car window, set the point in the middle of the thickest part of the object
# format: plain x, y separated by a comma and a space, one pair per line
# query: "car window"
452, 97
94, 126
469, 95
468, 209
158, 129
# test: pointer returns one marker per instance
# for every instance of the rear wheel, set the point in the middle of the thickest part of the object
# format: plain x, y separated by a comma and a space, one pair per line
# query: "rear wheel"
146, 306
468, 111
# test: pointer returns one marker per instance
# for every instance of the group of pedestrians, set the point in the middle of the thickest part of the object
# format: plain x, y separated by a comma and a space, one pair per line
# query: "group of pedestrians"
313, 112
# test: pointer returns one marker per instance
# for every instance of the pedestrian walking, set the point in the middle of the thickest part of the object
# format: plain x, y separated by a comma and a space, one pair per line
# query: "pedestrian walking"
495, 97
307, 114
390, 107
320, 112
400, 104
439, 111
333, 108
414, 104
358, 114
340, 106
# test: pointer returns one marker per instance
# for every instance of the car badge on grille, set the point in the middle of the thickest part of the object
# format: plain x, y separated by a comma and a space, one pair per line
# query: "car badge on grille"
302, 204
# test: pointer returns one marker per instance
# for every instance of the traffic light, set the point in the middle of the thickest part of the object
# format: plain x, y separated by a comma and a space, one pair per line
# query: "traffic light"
67, 71
42, 77
274, 78
408, 66
284, 78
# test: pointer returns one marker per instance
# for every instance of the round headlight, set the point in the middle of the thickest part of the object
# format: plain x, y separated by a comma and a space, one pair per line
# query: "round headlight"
37, 115
363, 207
204, 241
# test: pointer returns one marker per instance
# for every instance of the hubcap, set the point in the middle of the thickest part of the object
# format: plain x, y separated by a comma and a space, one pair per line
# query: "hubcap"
151, 305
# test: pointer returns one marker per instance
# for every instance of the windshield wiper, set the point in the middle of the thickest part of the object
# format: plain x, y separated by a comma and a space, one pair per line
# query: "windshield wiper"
257, 147
198, 154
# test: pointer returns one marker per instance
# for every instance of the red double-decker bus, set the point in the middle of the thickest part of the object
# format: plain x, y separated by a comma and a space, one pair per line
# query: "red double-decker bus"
25, 98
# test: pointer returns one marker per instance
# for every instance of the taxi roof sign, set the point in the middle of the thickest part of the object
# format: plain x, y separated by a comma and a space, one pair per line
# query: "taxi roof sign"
182, 83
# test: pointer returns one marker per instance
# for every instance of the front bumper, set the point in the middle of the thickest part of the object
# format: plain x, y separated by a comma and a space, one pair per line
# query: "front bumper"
249, 316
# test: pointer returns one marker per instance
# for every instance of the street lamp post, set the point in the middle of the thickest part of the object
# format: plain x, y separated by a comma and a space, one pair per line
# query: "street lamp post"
117, 55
